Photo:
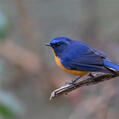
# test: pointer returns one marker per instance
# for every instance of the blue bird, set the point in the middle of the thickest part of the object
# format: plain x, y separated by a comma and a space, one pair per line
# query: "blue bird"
77, 58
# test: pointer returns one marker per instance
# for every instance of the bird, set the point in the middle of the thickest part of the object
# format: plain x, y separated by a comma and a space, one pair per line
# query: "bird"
78, 59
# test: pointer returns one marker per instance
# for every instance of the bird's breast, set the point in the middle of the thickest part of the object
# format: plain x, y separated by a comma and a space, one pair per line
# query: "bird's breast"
73, 72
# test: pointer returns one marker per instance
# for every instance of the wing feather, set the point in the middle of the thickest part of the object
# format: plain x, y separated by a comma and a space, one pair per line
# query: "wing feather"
84, 58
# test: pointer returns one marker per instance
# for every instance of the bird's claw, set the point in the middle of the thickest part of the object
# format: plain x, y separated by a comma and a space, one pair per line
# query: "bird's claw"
73, 81
91, 75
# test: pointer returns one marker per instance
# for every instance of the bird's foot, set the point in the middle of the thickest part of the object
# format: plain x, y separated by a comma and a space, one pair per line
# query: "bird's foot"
73, 81
91, 75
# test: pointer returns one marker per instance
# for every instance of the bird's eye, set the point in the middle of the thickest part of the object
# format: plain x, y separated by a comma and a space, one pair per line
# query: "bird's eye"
57, 44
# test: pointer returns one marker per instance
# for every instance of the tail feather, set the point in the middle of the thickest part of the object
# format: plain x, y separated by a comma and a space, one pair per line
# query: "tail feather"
111, 65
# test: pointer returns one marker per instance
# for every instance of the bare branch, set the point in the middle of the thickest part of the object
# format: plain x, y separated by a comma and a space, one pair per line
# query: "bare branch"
84, 81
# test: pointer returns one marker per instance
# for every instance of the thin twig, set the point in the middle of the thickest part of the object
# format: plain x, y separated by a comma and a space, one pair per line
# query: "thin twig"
84, 81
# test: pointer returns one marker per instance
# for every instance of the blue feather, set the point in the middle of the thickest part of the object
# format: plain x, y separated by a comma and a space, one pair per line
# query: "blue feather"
76, 55
111, 65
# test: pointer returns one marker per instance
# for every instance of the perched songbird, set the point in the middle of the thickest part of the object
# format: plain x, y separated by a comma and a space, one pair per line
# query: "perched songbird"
77, 58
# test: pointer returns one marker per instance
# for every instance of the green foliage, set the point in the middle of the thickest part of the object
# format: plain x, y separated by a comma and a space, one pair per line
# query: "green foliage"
6, 113
10, 107
4, 26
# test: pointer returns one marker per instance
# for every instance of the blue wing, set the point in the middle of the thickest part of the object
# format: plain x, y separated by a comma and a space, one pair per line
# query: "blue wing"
84, 58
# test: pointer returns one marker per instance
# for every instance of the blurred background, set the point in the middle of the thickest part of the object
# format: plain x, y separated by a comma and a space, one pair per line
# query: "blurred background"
28, 73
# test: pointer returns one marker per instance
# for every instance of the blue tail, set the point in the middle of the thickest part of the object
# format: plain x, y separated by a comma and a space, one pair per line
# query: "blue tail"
111, 65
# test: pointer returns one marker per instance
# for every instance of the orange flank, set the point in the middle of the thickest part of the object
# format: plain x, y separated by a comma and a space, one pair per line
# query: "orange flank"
73, 72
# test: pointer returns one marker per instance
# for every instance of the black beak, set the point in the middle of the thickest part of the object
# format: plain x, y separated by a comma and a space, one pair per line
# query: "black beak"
47, 44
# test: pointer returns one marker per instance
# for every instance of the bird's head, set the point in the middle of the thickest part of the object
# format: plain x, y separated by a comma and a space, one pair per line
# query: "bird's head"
59, 44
